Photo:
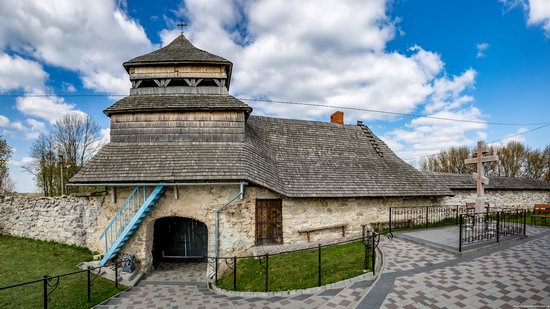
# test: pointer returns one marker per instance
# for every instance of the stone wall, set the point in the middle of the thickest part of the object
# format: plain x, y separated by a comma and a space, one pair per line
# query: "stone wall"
524, 199
299, 214
80, 220
69, 220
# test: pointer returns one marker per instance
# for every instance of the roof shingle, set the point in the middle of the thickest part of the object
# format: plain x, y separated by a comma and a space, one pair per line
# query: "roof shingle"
295, 158
180, 51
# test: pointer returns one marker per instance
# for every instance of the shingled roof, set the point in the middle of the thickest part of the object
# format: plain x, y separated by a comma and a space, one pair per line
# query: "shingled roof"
295, 158
179, 102
466, 181
180, 51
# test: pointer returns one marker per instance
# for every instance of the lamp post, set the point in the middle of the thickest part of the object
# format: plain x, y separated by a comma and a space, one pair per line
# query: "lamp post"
61, 176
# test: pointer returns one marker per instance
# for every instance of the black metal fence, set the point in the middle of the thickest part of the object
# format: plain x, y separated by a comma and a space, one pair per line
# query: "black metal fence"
51, 283
229, 266
491, 226
414, 217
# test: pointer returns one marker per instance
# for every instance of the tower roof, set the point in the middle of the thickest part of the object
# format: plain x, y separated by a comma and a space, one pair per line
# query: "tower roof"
180, 51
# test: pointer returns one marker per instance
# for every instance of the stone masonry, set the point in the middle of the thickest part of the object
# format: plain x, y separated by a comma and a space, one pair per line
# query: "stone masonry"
80, 220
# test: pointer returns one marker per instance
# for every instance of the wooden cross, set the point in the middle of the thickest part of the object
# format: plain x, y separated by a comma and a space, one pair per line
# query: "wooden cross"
480, 178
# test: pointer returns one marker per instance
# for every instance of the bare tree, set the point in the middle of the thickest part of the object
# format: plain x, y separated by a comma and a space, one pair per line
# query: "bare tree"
73, 140
43, 166
77, 137
515, 160
5, 154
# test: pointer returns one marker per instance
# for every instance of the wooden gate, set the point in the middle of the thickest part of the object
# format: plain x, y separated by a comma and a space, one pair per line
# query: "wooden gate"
269, 222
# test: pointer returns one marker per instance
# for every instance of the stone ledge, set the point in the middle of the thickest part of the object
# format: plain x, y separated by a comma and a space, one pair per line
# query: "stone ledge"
314, 290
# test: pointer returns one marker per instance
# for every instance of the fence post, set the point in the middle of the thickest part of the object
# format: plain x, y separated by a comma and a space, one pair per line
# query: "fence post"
427, 216
373, 253
366, 254
456, 214
389, 222
319, 266
460, 233
234, 273
266, 272
498, 226
89, 289
116, 273
524, 222
216, 269
45, 290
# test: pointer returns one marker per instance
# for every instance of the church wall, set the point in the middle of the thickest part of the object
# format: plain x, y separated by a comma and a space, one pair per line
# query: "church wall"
178, 127
80, 220
524, 199
303, 213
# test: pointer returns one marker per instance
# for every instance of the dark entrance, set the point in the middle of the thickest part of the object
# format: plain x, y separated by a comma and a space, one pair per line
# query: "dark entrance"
179, 239
269, 222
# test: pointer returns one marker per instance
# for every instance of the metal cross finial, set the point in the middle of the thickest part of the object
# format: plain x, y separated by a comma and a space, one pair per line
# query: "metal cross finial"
181, 25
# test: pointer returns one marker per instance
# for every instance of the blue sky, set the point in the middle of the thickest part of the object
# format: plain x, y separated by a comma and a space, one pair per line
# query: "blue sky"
475, 60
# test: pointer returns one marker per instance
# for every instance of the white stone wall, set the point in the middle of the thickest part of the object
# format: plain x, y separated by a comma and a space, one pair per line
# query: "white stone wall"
69, 220
303, 213
524, 199
80, 220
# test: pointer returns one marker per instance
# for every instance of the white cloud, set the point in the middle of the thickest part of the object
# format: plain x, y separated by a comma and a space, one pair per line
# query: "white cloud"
423, 136
448, 93
19, 73
329, 52
49, 108
17, 129
514, 137
4, 121
481, 48
21, 162
92, 39
538, 12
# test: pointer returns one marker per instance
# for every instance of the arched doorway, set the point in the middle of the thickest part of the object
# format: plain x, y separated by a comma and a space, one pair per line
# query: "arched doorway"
179, 239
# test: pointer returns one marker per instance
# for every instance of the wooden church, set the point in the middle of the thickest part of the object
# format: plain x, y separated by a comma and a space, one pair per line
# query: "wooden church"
192, 172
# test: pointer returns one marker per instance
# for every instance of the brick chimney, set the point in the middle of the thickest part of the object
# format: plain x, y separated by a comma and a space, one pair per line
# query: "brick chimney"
337, 117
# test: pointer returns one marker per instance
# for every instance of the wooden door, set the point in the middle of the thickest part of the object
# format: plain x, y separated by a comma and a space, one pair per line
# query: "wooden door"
269, 222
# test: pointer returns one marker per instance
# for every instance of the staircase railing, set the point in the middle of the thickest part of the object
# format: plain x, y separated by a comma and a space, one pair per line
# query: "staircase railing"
123, 216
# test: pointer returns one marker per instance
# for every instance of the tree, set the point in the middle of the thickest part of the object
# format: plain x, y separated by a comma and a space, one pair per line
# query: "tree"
534, 164
72, 141
5, 154
512, 159
515, 160
546, 159
448, 161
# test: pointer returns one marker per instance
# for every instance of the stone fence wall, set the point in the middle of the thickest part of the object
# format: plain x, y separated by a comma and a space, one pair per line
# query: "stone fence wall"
67, 219
524, 199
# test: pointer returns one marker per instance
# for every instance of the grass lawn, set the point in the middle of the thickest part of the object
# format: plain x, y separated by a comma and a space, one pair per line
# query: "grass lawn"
298, 270
24, 259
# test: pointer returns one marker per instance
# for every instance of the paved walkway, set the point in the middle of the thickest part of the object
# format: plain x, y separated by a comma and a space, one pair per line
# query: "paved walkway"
415, 276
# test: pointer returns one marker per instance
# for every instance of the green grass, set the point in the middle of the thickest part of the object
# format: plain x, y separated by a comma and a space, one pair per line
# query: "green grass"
537, 221
442, 223
298, 270
24, 259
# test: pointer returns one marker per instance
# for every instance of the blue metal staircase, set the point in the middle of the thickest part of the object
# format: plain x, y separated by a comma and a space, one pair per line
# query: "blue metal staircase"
128, 219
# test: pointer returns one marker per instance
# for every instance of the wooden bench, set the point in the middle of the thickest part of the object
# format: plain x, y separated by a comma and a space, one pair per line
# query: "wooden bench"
541, 211
379, 226
471, 207
322, 228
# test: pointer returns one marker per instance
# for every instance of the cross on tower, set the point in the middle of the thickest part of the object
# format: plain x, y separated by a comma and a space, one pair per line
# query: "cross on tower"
181, 25
480, 175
